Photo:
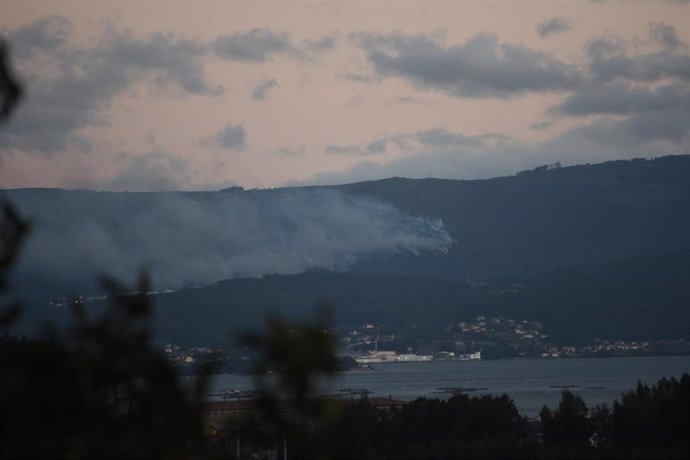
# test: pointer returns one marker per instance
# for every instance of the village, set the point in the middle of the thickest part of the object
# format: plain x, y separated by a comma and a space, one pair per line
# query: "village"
481, 338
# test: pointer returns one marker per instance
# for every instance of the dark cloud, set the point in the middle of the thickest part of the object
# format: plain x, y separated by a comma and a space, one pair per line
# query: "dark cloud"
231, 137
72, 86
552, 26
610, 58
262, 88
260, 45
670, 128
641, 92
441, 137
376, 147
664, 34
481, 67
200, 239
45, 35
256, 45
624, 99
326, 43
168, 59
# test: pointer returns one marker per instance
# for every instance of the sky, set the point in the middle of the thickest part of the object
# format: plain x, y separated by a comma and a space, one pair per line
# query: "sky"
201, 95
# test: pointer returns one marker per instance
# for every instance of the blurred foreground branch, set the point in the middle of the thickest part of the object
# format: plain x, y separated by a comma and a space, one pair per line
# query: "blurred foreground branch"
291, 359
99, 389
13, 228
10, 89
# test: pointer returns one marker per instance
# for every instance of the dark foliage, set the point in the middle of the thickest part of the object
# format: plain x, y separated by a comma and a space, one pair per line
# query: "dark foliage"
568, 429
460, 427
289, 360
13, 228
648, 422
10, 89
654, 417
98, 390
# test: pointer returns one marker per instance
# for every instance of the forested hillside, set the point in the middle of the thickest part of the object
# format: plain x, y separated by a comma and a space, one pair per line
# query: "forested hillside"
584, 249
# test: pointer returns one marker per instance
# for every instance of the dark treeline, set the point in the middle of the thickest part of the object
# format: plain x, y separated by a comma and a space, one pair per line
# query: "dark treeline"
62, 402
97, 389
460, 427
648, 422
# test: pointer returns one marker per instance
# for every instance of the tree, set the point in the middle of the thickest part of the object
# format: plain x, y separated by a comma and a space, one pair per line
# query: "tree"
289, 359
654, 417
569, 424
98, 389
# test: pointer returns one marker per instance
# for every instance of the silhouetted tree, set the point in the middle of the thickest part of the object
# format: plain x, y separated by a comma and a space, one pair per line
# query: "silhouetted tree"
567, 429
288, 360
654, 417
99, 389
13, 228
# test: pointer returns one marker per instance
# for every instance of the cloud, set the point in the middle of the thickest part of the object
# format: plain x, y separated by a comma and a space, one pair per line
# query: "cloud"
326, 43
261, 45
664, 34
256, 45
231, 137
610, 58
645, 134
640, 92
169, 59
552, 26
441, 137
375, 147
349, 149
215, 236
292, 152
153, 171
72, 85
262, 88
624, 99
44, 35
433, 138
481, 67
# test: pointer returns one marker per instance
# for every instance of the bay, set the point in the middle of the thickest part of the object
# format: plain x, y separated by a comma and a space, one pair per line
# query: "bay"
531, 383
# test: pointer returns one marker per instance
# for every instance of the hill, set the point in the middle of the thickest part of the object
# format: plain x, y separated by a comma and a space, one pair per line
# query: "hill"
633, 299
590, 251
544, 219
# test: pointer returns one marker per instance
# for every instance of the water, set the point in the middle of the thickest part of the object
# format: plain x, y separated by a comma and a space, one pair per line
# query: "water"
531, 383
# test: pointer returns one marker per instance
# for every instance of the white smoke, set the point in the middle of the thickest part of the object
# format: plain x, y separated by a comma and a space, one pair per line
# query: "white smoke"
200, 238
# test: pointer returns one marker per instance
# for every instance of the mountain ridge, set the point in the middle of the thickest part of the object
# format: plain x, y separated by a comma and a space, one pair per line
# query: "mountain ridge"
530, 228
